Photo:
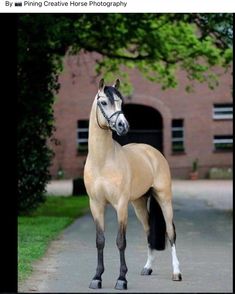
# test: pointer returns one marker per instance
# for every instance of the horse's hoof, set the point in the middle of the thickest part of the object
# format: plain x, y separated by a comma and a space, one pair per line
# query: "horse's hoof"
121, 285
95, 284
146, 271
177, 277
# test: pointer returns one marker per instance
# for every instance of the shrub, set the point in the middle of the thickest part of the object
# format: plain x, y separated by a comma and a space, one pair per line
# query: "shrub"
220, 173
37, 79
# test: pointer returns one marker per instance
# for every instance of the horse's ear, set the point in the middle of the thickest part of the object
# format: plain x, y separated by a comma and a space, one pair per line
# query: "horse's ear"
101, 84
117, 84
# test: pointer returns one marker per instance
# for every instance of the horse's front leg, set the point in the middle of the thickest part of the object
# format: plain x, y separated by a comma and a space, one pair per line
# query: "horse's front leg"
97, 210
122, 213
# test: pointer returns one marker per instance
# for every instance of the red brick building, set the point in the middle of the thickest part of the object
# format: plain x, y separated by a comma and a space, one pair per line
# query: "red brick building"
184, 126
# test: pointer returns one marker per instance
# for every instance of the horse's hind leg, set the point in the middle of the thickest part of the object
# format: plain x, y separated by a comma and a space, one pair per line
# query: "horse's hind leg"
140, 207
165, 201
97, 210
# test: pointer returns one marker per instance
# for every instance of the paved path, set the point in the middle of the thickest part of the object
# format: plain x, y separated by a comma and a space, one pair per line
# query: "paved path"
218, 193
60, 187
204, 247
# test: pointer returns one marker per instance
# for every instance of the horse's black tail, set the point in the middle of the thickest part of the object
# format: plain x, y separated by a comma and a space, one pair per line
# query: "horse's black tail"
157, 224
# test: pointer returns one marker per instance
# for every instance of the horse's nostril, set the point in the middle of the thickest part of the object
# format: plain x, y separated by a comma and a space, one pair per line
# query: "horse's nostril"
120, 124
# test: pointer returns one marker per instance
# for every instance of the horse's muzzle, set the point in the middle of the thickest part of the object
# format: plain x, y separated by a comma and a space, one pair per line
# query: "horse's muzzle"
122, 127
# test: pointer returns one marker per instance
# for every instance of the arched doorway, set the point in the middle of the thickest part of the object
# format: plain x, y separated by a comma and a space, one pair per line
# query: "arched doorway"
145, 126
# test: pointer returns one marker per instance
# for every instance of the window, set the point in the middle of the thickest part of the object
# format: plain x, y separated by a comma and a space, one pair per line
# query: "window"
82, 135
223, 111
177, 131
223, 142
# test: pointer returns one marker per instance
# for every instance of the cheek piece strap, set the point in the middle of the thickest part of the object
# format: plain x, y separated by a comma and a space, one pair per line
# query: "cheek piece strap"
108, 119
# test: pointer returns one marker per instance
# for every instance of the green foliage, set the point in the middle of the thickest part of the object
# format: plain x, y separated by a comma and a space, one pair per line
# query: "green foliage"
38, 67
220, 173
160, 44
217, 25
195, 165
156, 44
36, 231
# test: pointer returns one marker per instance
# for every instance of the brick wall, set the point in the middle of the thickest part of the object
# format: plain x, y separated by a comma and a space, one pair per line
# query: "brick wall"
79, 87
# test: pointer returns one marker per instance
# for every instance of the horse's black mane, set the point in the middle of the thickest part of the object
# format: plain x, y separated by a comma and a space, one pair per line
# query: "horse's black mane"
110, 91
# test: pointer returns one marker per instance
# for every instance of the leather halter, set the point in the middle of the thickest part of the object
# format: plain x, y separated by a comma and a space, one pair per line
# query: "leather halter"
108, 119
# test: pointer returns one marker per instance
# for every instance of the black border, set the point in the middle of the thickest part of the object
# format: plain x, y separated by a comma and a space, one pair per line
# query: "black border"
8, 249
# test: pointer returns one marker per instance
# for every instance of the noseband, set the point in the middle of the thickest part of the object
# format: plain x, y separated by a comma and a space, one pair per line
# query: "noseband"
108, 119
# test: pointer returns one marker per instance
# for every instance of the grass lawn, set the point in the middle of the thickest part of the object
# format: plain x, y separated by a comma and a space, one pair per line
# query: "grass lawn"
36, 231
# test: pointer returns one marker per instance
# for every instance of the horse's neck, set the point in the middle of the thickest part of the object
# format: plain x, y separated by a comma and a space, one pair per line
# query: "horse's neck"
100, 142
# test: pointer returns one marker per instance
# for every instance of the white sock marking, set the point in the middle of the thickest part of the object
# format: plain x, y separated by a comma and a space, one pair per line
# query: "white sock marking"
150, 259
175, 261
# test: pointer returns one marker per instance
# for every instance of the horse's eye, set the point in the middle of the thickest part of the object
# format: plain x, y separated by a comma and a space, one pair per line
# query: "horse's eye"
104, 103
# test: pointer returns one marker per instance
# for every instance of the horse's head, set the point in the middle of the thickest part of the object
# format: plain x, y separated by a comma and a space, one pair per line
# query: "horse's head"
109, 110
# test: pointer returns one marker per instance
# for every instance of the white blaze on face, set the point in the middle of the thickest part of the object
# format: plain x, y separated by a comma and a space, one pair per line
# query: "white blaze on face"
120, 124
117, 103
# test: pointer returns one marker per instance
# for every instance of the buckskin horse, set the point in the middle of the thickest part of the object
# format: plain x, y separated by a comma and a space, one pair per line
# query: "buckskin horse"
136, 173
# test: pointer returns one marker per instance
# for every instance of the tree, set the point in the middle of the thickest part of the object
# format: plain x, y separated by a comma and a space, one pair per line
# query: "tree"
157, 44
37, 70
